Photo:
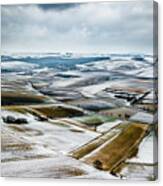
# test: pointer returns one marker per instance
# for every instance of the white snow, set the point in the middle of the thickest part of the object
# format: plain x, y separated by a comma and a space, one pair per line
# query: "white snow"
57, 167
107, 126
139, 172
142, 117
17, 65
56, 136
16, 115
147, 151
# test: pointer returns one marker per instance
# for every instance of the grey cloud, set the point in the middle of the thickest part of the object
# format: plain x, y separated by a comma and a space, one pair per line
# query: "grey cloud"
59, 7
97, 27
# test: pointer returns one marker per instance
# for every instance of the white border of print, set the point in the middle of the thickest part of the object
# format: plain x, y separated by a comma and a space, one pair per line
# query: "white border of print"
85, 182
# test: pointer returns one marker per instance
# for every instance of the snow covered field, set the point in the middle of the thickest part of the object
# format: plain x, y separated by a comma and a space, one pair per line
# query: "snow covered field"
76, 103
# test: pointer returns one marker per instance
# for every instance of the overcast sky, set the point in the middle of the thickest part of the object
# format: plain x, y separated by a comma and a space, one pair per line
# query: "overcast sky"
110, 27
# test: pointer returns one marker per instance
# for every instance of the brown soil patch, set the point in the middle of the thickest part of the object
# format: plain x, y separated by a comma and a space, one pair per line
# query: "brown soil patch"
15, 98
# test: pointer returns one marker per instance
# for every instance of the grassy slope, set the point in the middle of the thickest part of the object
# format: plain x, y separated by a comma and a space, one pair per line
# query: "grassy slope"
124, 146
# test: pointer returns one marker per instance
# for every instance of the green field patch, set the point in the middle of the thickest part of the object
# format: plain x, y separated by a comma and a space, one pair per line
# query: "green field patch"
95, 119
